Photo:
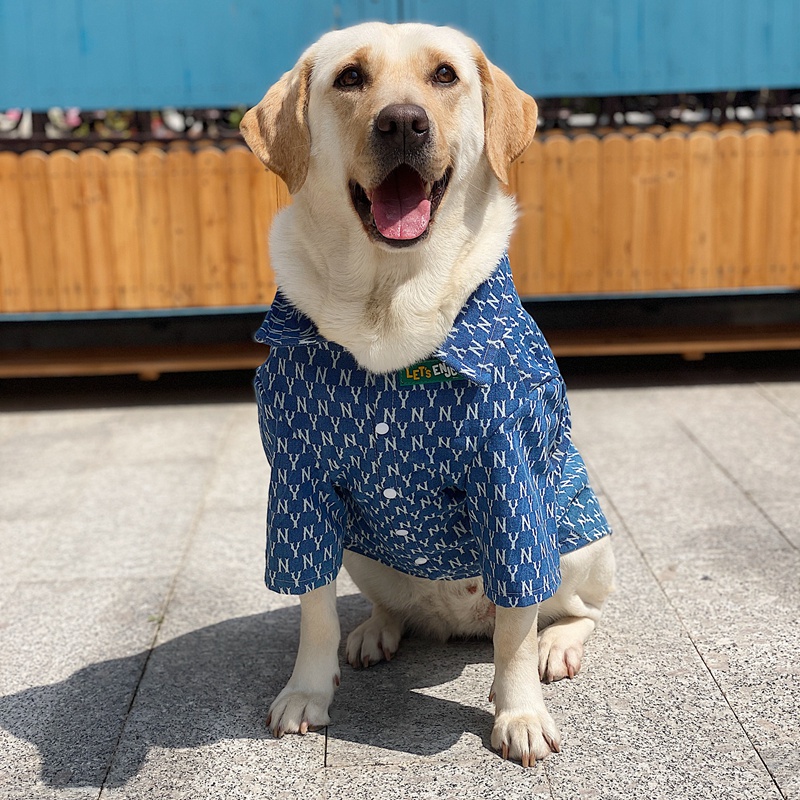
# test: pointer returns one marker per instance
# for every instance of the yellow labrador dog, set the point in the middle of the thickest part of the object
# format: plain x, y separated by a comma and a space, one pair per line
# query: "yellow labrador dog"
412, 413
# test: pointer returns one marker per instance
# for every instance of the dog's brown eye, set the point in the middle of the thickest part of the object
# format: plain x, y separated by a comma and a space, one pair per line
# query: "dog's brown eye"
445, 74
349, 78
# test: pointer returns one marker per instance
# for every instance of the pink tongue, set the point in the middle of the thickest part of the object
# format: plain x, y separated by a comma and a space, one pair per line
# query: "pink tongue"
400, 206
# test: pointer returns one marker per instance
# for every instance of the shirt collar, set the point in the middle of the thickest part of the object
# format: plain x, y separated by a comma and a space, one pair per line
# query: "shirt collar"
469, 345
284, 325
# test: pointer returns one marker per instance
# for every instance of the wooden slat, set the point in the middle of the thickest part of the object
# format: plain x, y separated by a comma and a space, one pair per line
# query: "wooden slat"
15, 270
756, 179
37, 224
527, 244
241, 237
557, 274
264, 196
212, 198
184, 233
671, 254
93, 170
693, 344
147, 361
645, 235
699, 205
794, 277
616, 198
780, 207
157, 273
126, 253
587, 249
283, 198
728, 208
69, 242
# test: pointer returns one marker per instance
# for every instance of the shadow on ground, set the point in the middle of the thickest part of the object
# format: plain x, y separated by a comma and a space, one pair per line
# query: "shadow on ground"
216, 683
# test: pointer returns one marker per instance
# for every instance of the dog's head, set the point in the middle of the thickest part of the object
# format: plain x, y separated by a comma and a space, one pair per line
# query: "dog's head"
385, 116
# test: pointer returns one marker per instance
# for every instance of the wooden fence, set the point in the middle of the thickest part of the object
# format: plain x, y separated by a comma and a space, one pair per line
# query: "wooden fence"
149, 228
708, 209
135, 230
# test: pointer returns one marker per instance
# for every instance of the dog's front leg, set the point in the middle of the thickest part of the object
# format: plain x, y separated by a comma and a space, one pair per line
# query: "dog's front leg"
303, 703
523, 729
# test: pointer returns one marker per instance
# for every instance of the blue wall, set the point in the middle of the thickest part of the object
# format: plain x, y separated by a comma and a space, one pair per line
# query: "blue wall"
152, 53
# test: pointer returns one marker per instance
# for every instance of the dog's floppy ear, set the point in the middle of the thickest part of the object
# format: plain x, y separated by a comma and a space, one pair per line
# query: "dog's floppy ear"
276, 130
509, 117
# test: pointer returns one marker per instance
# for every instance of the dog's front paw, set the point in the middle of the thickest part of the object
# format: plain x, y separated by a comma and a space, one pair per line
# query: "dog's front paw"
560, 655
296, 711
374, 640
525, 737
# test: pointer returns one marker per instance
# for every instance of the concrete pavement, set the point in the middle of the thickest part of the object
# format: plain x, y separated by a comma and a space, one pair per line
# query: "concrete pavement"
139, 649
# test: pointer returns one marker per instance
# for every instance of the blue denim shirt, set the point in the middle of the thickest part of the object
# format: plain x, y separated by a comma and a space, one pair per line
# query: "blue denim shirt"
456, 467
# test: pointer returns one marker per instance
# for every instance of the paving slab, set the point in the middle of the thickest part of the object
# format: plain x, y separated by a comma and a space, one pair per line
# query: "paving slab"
95, 500
646, 699
234, 769
676, 498
199, 716
140, 649
728, 571
45, 458
433, 779
225, 647
73, 654
786, 394
749, 436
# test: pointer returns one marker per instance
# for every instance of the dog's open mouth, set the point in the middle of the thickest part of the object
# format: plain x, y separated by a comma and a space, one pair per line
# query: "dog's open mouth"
401, 208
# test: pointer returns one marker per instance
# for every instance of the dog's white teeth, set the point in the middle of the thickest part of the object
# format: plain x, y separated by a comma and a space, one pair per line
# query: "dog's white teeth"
428, 189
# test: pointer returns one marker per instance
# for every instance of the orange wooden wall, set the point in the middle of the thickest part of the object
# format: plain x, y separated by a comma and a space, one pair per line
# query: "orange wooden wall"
619, 213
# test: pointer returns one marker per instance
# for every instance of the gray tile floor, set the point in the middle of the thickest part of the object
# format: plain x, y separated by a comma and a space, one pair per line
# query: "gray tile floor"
139, 649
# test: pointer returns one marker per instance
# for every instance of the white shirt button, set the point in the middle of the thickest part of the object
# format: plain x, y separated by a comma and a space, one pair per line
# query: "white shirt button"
420, 561
381, 428
389, 494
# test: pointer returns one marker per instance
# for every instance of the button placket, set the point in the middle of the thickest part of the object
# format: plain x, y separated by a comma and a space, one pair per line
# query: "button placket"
383, 446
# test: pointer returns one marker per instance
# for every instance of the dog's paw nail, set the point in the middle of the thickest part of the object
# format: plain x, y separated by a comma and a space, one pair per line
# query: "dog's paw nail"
491, 696
387, 654
552, 743
269, 720
505, 752
365, 662
303, 727
337, 680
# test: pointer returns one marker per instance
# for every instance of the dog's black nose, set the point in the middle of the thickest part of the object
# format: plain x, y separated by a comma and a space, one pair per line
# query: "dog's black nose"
403, 125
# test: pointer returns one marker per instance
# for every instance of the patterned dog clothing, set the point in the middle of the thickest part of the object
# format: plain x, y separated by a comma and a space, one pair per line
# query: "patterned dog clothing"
456, 467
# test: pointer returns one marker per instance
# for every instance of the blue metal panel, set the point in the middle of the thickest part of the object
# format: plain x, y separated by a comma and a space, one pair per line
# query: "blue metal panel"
151, 53
600, 47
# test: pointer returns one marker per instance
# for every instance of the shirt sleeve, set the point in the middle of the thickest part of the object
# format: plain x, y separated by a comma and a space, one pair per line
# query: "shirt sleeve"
305, 531
580, 518
305, 515
511, 490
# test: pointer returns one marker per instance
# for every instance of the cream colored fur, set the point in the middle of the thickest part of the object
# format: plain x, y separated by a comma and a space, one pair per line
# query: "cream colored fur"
391, 307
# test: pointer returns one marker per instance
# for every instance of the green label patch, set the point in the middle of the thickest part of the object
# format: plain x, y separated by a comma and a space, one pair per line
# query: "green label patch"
430, 371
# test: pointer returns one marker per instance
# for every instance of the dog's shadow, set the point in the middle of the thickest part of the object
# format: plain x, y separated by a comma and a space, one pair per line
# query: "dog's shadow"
216, 683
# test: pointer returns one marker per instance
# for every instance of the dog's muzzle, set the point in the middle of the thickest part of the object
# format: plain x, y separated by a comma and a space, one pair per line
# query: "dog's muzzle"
399, 210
